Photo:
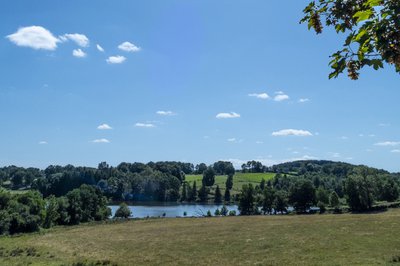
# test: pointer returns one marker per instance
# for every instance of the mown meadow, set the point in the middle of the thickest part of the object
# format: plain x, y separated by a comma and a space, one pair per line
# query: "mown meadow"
346, 239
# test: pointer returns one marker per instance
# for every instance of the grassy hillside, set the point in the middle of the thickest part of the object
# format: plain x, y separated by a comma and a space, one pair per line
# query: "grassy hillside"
348, 239
239, 179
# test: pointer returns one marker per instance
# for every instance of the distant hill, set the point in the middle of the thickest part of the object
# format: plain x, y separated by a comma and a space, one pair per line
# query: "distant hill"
339, 169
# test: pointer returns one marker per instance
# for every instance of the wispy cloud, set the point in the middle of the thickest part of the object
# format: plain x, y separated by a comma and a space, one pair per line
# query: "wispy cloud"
259, 142
100, 141
395, 151
43, 142
99, 48
128, 47
227, 115
78, 53
387, 143
334, 154
304, 100
384, 124
79, 39
263, 95
292, 132
104, 127
231, 139
117, 59
165, 113
35, 37
147, 125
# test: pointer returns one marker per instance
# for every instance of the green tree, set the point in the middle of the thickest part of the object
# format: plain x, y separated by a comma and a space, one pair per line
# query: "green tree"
224, 211
322, 195
302, 195
372, 28
281, 201
359, 191
390, 190
334, 201
227, 195
123, 211
192, 192
218, 195
203, 193
247, 205
268, 200
262, 183
52, 214
208, 177
184, 192
229, 182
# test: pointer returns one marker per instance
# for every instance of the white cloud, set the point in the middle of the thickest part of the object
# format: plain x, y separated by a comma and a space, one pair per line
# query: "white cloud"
43, 142
148, 125
344, 138
259, 142
279, 92
100, 141
281, 97
35, 37
384, 124
371, 135
292, 132
231, 139
395, 151
128, 47
263, 95
79, 39
388, 143
104, 127
78, 53
165, 113
118, 59
99, 48
227, 115
304, 100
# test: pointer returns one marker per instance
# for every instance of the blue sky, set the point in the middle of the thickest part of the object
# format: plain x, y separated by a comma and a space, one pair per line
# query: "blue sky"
195, 81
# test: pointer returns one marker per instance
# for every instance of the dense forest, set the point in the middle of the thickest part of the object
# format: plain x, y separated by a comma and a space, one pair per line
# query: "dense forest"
31, 198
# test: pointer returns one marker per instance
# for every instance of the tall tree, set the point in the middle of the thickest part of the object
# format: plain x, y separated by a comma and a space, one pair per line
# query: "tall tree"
247, 205
281, 201
227, 195
229, 182
302, 195
203, 193
268, 200
359, 192
372, 28
184, 192
208, 177
218, 195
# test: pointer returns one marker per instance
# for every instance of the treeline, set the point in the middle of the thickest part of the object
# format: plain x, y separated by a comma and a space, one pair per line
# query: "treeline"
154, 181
29, 211
357, 187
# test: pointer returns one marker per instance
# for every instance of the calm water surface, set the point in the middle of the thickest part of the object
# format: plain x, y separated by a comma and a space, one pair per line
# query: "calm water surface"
172, 209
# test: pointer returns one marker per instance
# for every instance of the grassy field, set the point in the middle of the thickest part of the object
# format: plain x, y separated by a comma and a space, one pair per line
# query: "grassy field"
347, 239
239, 179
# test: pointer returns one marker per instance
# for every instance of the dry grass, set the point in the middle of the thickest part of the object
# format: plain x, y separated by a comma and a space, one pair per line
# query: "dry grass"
363, 239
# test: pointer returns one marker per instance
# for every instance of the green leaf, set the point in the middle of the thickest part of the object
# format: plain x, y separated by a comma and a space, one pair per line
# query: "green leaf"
363, 15
373, 3
360, 35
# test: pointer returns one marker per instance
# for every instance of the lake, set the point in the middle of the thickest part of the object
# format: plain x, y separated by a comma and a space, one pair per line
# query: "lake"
142, 210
